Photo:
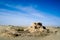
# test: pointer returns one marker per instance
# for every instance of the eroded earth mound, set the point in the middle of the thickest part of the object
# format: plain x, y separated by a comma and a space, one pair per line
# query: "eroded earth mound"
36, 29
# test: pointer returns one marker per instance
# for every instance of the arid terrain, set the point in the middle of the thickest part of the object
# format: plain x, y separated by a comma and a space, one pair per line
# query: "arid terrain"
54, 34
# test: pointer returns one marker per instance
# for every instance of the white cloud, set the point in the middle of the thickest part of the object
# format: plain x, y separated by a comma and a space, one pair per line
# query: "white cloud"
31, 15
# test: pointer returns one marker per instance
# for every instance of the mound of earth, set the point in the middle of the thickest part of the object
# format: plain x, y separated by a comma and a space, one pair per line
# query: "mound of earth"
36, 29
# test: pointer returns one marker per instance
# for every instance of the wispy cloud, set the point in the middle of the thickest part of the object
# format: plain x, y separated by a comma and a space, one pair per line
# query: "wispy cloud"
25, 16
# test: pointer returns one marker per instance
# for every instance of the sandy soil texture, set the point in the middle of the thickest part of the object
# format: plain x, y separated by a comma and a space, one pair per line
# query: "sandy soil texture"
54, 35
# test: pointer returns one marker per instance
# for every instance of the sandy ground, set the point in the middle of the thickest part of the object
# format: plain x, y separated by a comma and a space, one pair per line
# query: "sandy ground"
53, 36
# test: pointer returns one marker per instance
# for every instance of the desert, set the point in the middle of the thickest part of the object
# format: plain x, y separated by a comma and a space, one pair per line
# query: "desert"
33, 32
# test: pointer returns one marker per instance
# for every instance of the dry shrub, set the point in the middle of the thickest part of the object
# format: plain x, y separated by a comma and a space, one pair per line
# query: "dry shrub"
15, 28
21, 29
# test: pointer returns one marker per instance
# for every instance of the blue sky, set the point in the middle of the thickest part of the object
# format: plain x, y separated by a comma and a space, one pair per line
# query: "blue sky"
24, 12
